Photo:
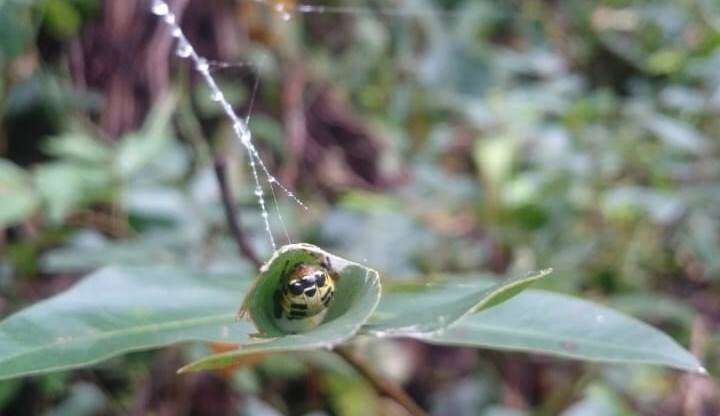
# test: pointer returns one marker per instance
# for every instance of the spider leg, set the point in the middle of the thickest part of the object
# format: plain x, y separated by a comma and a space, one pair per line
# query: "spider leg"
327, 264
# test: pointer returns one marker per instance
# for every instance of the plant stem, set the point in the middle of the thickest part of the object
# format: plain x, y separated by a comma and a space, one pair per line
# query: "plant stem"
231, 214
382, 385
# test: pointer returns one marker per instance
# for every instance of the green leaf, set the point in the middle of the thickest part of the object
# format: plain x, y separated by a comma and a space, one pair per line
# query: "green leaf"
78, 147
117, 310
412, 308
65, 187
357, 293
559, 325
152, 248
137, 150
16, 28
17, 197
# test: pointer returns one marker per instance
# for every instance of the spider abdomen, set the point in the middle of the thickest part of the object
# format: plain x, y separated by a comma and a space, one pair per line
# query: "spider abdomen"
307, 292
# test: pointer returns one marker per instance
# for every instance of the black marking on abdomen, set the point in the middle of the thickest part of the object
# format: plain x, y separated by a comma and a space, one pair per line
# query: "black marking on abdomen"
327, 298
295, 314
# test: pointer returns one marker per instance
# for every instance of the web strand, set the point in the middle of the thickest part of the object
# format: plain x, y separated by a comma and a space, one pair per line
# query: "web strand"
287, 10
185, 50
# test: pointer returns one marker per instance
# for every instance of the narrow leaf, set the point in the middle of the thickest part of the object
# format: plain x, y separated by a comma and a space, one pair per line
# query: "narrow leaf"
413, 308
559, 325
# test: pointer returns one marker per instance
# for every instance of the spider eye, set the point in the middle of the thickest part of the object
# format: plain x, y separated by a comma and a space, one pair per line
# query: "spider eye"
296, 288
320, 279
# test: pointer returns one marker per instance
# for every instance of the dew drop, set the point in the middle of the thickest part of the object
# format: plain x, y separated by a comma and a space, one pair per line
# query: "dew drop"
202, 65
170, 18
244, 136
183, 49
264, 215
258, 192
280, 8
159, 8
176, 32
272, 179
217, 96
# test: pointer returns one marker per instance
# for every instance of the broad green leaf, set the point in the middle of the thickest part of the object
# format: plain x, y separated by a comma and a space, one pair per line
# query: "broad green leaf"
117, 310
412, 308
560, 325
17, 197
357, 293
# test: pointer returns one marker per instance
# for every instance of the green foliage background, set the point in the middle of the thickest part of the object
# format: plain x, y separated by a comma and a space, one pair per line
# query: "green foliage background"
512, 136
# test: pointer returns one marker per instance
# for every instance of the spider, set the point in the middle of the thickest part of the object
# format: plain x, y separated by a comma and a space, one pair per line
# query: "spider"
308, 290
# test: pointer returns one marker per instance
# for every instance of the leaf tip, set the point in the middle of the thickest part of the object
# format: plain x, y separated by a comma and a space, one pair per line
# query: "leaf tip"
185, 369
545, 272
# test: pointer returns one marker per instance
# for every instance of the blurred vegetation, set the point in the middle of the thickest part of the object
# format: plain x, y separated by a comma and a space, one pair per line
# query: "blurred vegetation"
449, 137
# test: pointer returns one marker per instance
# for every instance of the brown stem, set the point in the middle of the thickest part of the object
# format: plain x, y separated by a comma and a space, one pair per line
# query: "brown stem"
231, 214
381, 384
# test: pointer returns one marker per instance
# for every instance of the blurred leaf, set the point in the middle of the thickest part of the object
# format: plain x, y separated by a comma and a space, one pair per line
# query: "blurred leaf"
389, 240
414, 308
65, 187
548, 323
85, 399
494, 158
17, 197
159, 202
152, 248
8, 390
80, 147
16, 28
676, 133
599, 400
701, 238
665, 61
138, 149
61, 17
661, 206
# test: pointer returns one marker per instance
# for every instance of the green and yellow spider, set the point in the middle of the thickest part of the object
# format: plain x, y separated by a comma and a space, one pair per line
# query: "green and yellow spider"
307, 291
